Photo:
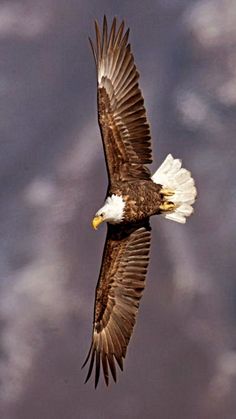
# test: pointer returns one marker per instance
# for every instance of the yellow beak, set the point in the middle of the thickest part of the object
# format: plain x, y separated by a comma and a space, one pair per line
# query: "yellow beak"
97, 221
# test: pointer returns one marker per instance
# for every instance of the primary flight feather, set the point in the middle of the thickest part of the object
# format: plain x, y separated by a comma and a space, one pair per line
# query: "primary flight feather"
133, 196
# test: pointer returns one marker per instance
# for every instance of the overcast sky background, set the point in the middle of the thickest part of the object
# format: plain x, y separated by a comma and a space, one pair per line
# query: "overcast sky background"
181, 361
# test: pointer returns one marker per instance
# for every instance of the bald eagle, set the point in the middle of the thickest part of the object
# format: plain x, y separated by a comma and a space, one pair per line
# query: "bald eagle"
133, 196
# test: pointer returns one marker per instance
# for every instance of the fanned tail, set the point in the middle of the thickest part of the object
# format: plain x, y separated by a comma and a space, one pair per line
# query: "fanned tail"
180, 184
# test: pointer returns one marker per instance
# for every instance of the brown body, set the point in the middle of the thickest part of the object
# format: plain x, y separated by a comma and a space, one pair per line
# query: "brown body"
142, 198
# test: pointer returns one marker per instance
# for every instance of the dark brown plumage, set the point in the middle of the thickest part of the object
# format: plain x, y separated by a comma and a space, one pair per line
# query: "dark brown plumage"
120, 286
121, 114
126, 140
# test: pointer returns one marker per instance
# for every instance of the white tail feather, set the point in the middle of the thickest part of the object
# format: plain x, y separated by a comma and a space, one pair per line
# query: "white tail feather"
172, 176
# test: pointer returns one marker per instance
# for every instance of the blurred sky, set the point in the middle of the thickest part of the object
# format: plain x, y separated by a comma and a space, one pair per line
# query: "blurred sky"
181, 361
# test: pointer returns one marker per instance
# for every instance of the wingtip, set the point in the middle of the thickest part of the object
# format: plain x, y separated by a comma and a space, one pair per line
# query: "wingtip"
92, 353
113, 25
119, 361
107, 380
104, 20
97, 367
87, 357
112, 367
91, 42
86, 380
114, 20
85, 362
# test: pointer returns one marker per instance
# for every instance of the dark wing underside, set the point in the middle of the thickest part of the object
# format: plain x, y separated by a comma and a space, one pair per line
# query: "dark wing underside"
121, 113
120, 287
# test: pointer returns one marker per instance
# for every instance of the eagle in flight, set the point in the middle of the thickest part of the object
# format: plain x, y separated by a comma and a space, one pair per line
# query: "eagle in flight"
133, 196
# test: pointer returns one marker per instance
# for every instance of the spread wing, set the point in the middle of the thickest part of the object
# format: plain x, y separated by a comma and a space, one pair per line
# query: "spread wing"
120, 287
121, 113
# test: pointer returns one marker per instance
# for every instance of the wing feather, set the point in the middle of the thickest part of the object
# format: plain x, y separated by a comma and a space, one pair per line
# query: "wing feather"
121, 113
105, 368
120, 287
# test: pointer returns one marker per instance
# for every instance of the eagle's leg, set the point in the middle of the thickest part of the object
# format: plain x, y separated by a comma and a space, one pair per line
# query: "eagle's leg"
166, 192
167, 206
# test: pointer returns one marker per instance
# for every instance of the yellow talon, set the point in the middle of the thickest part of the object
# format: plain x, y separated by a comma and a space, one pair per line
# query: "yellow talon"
167, 206
166, 192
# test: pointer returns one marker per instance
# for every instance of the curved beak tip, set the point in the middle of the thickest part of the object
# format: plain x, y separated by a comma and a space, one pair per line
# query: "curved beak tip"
97, 221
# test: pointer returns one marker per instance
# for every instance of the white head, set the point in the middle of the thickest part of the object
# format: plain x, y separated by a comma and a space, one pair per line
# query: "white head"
112, 211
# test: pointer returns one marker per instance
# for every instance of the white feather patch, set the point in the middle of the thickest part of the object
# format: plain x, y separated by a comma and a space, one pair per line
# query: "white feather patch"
171, 175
